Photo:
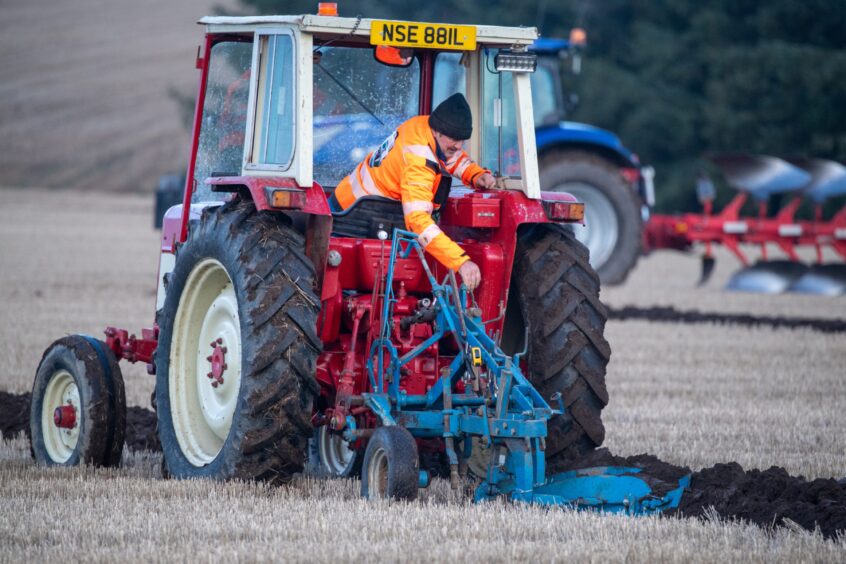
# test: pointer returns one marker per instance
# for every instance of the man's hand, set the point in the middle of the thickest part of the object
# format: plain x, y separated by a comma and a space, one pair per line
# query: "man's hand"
486, 180
470, 274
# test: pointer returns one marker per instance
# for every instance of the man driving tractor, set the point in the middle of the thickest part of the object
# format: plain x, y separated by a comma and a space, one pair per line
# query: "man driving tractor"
414, 165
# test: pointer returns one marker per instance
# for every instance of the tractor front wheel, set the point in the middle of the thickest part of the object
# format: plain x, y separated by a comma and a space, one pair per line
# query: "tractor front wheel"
78, 413
237, 349
334, 456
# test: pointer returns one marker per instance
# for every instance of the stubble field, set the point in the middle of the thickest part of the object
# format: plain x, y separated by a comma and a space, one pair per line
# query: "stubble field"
693, 395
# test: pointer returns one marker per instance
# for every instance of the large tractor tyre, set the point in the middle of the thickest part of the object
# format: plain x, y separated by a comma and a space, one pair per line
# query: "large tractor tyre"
78, 413
613, 230
557, 293
237, 349
391, 467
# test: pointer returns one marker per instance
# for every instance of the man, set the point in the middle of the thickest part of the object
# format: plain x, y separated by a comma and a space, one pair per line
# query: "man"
408, 167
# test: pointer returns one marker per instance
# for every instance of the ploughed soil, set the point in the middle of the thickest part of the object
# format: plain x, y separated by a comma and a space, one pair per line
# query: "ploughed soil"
766, 498
673, 315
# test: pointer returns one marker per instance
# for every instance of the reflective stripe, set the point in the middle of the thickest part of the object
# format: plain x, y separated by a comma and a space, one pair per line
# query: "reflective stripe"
363, 186
429, 234
417, 206
421, 151
450, 164
357, 190
367, 181
459, 170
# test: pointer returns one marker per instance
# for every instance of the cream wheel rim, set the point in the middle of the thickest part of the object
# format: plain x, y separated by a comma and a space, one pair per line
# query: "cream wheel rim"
377, 475
206, 323
60, 442
335, 455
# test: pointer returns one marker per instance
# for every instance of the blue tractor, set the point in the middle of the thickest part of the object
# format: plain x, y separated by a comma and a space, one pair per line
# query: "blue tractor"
590, 163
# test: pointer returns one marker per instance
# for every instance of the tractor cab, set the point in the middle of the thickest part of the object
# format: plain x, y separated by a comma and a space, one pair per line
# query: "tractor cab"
305, 98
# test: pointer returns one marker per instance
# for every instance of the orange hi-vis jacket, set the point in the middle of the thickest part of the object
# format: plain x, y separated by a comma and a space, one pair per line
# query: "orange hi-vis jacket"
405, 168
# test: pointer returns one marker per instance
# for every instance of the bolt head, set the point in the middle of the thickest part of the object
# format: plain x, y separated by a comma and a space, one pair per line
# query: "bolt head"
333, 258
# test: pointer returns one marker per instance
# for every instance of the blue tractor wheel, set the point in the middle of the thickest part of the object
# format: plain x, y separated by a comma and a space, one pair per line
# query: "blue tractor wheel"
613, 229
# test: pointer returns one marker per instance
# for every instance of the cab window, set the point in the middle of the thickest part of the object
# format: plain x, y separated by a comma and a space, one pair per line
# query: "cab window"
358, 102
274, 137
221, 144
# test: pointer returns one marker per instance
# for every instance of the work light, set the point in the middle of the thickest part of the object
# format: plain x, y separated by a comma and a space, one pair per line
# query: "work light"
508, 60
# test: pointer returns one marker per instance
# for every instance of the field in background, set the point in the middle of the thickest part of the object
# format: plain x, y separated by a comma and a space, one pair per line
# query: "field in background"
84, 90
691, 394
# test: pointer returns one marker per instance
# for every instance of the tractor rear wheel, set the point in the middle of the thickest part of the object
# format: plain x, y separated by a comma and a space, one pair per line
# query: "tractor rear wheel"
78, 413
237, 349
557, 293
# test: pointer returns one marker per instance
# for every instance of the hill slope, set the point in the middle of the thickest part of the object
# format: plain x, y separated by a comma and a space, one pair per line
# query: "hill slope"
84, 91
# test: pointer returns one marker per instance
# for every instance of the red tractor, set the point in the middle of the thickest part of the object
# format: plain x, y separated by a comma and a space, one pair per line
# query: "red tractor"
273, 315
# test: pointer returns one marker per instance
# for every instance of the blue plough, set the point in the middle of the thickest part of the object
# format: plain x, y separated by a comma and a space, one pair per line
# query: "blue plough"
499, 408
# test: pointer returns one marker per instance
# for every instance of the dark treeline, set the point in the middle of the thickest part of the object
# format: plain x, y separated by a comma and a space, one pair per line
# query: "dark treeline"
678, 79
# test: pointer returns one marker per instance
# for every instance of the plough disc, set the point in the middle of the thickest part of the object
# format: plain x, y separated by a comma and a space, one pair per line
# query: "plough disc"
822, 279
767, 277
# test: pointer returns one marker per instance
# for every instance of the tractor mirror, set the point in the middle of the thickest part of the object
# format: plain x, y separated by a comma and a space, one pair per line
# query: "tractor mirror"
393, 56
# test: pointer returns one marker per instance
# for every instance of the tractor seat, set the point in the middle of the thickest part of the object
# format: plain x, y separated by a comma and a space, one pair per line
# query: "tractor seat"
760, 175
367, 216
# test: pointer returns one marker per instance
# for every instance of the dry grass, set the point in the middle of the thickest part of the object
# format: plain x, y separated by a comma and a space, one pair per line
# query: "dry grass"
127, 514
702, 394
694, 395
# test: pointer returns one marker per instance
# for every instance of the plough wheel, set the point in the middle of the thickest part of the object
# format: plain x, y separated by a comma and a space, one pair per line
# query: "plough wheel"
237, 349
78, 413
391, 467
557, 292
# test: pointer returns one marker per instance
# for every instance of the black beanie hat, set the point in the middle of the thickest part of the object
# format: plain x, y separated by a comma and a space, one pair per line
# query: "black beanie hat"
452, 117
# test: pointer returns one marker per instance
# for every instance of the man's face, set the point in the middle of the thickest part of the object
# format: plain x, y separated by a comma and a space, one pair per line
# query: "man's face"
449, 146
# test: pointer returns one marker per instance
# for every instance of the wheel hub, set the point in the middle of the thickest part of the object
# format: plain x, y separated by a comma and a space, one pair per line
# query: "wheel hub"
64, 416
218, 362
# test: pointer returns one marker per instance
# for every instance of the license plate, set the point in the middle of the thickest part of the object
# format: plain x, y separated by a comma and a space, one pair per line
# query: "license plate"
433, 36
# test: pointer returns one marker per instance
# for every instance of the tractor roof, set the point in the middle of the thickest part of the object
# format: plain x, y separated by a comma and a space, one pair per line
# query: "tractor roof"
355, 27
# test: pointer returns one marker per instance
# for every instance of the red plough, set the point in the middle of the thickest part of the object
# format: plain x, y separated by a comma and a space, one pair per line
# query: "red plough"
760, 178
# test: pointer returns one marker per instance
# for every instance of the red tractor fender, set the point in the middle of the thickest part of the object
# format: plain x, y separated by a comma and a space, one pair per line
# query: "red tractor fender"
311, 200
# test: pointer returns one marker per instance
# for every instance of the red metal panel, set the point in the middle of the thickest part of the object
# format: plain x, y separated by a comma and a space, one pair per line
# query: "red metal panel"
315, 198
472, 210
